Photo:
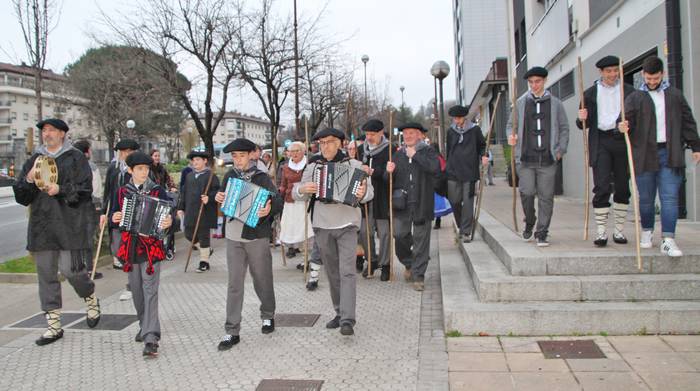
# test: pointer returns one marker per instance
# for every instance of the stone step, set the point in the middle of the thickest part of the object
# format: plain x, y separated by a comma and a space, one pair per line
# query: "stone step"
525, 259
493, 283
464, 312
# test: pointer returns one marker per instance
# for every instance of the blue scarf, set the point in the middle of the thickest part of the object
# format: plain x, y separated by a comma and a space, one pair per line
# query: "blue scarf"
664, 85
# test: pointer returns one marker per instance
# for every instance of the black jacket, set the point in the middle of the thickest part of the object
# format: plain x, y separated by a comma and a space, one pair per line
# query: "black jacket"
113, 181
464, 159
264, 227
190, 199
681, 129
416, 177
65, 221
380, 181
590, 99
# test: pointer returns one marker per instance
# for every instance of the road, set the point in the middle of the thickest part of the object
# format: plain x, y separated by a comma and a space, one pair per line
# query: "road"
13, 229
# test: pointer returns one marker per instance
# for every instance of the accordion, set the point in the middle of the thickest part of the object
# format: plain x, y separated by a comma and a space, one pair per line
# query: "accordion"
143, 214
243, 201
338, 183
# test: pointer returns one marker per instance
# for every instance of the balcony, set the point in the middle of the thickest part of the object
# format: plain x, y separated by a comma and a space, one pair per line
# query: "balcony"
5, 122
5, 104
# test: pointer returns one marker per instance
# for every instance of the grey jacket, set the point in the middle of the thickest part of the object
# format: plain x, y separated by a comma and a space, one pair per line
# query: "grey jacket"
559, 139
331, 216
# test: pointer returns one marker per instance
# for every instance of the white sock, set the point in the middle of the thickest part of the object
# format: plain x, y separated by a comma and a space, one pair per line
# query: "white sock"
601, 220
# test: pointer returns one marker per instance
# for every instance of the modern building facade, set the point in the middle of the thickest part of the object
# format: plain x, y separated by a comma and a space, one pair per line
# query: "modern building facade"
236, 125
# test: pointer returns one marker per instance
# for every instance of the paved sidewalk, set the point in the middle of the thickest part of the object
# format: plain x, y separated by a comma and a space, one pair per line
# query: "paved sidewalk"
384, 354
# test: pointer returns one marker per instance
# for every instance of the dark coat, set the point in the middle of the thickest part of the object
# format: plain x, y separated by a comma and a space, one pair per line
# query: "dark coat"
113, 181
681, 129
190, 199
590, 99
464, 160
159, 174
264, 227
380, 181
65, 221
418, 177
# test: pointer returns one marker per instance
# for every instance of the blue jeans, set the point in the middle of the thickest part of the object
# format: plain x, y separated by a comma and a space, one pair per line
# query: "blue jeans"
667, 181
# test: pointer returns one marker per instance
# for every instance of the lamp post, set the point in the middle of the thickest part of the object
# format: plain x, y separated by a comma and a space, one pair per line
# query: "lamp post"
365, 59
402, 88
440, 70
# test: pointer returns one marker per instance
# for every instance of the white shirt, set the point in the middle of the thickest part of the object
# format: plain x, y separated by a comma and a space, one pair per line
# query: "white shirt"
608, 101
660, 105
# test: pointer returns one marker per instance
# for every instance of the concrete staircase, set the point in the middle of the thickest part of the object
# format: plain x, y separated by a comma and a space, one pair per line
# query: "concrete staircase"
498, 284
499, 161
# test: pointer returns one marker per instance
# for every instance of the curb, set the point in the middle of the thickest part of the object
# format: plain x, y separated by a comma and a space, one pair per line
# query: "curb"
6, 191
30, 278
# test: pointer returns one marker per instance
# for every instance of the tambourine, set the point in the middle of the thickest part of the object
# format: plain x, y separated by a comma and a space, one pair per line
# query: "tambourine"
45, 172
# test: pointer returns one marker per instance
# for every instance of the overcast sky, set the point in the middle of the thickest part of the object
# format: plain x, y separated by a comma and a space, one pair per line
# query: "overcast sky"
402, 38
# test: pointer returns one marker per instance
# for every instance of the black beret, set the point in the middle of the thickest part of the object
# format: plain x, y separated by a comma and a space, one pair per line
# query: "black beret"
373, 125
240, 144
412, 125
195, 153
137, 158
536, 71
608, 61
55, 122
329, 132
127, 143
458, 111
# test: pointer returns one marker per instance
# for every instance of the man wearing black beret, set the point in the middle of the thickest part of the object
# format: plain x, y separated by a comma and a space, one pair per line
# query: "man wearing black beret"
414, 167
189, 202
607, 153
117, 176
541, 142
59, 228
465, 149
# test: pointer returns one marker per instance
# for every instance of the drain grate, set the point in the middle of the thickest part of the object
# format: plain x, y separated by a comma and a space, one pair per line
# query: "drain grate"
38, 321
296, 320
111, 322
289, 385
571, 349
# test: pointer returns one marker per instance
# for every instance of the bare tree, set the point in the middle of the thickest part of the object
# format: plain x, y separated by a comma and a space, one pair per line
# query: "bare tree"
36, 17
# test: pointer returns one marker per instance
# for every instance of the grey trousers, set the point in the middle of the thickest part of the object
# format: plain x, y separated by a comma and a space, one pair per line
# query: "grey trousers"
412, 242
144, 290
381, 227
461, 197
48, 264
240, 256
338, 254
116, 241
537, 181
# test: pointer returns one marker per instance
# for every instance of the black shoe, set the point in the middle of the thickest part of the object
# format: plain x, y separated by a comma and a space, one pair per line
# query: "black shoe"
98, 276
346, 329
542, 240
138, 337
150, 349
311, 285
527, 233
359, 263
437, 224
203, 266
385, 273
365, 272
297, 251
467, 238
228, 342
601, 241
169, 255
47, 340
118, 265
195, 248
291, 253
333, 323
268, 326
300, 266
619, 238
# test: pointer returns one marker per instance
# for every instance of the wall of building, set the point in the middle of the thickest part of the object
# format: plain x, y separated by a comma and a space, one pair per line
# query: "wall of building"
690, 43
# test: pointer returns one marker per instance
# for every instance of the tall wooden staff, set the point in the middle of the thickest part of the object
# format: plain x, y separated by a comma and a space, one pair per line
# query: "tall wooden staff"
633, 176
367, 231
479, 196
586, 169
514, 132
391, 203
99, 241
306, 205
199, 217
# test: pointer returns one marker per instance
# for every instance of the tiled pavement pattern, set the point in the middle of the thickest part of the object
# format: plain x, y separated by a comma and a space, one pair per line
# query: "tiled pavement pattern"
383, 354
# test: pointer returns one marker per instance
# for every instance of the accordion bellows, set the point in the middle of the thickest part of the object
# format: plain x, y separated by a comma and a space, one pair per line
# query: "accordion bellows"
243, 201
338, 183
143, 214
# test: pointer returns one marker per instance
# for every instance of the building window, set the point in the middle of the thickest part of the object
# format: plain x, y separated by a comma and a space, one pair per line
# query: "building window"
25, 116
598, 8
26, 100
564, 87
14, 115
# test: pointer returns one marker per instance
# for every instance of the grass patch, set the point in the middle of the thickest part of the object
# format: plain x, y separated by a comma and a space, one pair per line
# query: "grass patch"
19, 265
603, 333
453, 334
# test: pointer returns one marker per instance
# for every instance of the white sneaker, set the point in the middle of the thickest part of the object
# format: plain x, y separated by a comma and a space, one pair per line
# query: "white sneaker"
645, 241
126, 295
670, 248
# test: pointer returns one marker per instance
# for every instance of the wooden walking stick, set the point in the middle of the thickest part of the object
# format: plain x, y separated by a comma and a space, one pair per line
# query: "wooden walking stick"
391, 203
367, 232
306, 206
633, 176
99, 241
514, 132
479, 197
199, 218
586, 169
